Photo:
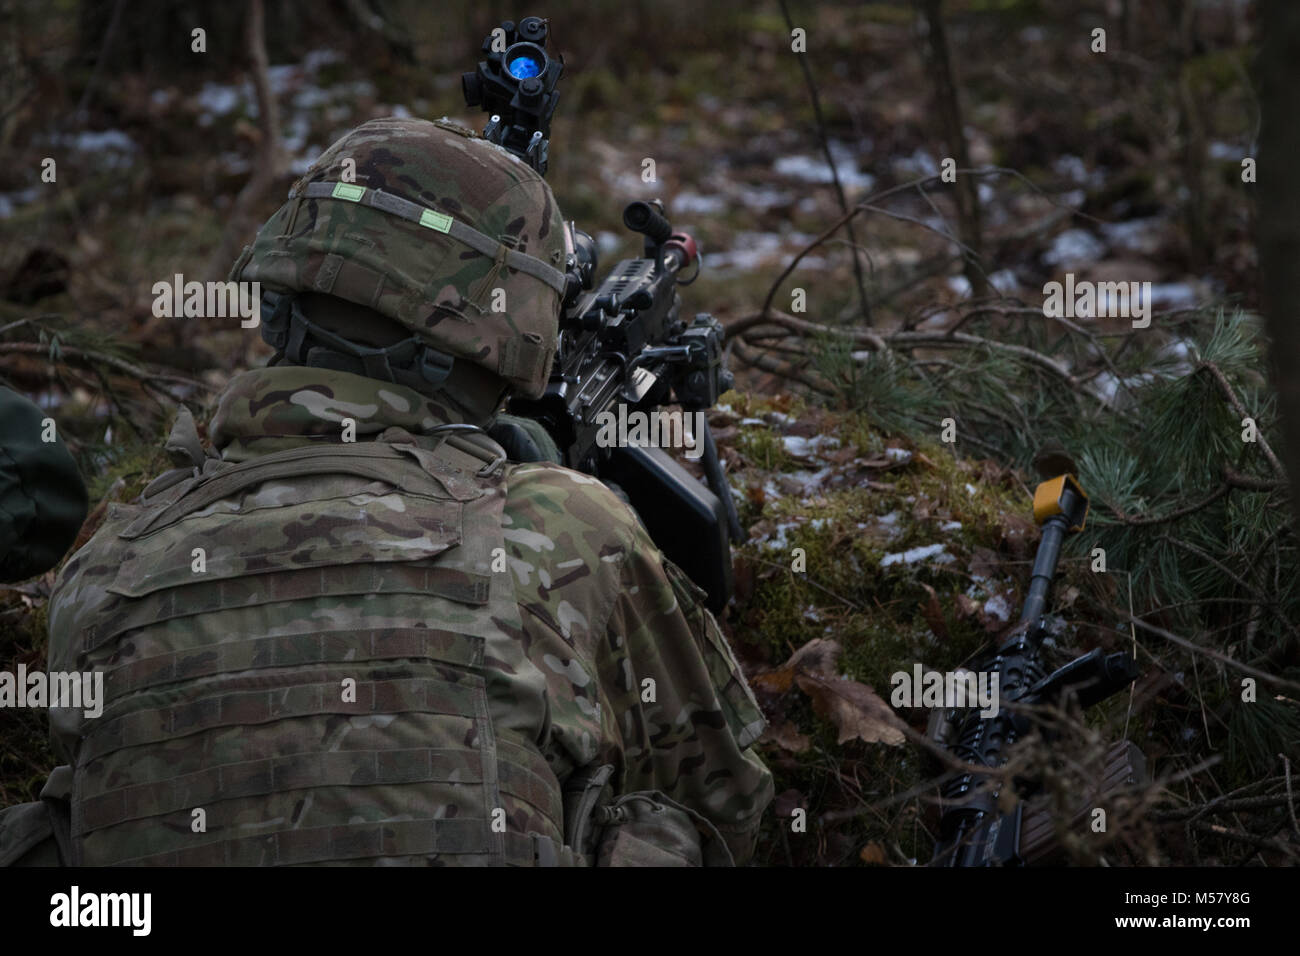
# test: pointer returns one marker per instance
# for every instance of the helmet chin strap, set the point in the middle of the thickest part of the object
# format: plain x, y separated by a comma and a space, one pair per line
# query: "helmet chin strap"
410, 362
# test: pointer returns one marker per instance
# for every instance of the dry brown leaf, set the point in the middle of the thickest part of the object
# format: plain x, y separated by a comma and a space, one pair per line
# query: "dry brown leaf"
873, 853
815, 657
773, 682
933, 614
967, 606
853, 708
786, 736
984, 562
818, 657
1017, 535
880, 463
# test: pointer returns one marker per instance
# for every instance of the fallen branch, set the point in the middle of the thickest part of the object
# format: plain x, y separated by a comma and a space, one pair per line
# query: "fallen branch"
1210, 652
89, 356
936, 339
758, 359
1250, 839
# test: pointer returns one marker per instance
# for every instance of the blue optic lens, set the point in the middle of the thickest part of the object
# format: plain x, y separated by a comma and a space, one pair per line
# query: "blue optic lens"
522, 67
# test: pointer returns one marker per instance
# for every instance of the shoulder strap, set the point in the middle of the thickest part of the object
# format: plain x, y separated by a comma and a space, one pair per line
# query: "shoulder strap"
470, 452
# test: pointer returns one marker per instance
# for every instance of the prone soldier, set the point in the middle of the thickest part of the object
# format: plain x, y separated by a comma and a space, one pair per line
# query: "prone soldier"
353, 631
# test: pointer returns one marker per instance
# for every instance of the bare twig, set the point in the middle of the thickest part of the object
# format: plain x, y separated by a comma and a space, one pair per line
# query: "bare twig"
1209, 499
1290, 801
936, 339
1219, 805
1250, 839
1210, 652
90, 356
803, 326
754, 357
835, 176
1240, 409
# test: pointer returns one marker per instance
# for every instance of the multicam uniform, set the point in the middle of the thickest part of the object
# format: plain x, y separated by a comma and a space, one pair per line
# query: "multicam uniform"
484, 679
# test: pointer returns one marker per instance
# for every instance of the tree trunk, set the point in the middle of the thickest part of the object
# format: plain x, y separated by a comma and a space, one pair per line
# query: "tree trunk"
948, 105
1278, 221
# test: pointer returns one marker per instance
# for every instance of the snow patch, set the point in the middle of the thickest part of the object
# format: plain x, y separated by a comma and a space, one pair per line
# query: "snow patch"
998, 607
913, 555
1074, 245
802, 447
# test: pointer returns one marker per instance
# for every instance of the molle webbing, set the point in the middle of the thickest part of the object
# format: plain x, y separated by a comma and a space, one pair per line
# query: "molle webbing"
356, 459
289, 586
223, 687
404, 838
439, 222
351, 841
256, 778
252, 707
292, 650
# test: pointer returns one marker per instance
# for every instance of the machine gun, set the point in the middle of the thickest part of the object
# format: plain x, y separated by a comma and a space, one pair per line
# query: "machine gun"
623, 346
973, 831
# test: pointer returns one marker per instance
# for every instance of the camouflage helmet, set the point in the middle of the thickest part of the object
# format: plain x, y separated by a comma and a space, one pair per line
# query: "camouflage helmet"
424, 222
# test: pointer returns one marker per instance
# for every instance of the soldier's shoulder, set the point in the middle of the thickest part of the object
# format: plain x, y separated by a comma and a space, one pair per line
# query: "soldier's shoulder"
546, 494
570, 540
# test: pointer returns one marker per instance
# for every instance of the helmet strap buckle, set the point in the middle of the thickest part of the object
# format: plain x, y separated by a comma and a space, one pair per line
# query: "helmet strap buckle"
409, 362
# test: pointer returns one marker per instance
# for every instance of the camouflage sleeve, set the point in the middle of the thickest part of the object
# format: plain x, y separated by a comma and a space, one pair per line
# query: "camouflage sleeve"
42, 497
689, 716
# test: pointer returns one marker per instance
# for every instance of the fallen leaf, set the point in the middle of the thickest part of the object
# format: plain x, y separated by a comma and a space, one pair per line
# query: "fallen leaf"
786, 736
853, 708
873, 853
966, 606
1017, 535
933, 614
879, 464
984, 563
773, 682
817, 657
